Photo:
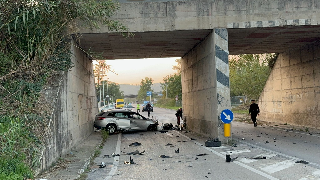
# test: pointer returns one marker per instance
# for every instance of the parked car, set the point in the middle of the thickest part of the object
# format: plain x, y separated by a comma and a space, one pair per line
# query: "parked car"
107, 107
123, 120
144, 107
128, 107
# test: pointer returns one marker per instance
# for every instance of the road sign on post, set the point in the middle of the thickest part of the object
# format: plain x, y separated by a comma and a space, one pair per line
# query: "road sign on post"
226, 117
149, 93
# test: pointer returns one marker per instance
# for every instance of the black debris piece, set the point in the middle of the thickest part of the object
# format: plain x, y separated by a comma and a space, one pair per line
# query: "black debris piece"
202, 154
260, 157
136, 152
177, 136
113, 154
184, 141
102, 165
294, 143
163, 131
267, 141
164, 156
302, 161
169, 144
206, 176
258, 136
176, 151
209, 172
196, 158
131, 161
106, 156
228, 158
192, 139
135, 144
167, 126
178, 141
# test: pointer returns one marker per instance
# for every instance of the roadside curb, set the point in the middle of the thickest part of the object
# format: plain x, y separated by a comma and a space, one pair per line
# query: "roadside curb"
74, 163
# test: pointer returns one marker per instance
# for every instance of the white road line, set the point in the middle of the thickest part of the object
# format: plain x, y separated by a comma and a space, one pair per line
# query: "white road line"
236, 152
315, 175
116, 159
236, 162
278, 166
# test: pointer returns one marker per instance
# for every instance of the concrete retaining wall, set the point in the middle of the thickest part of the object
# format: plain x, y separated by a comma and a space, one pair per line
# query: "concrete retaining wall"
73, 98
292, 92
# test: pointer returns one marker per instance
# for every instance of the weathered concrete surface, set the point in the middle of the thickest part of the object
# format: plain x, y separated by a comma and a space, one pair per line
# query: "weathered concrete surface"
74, 102
291, 94
172, 28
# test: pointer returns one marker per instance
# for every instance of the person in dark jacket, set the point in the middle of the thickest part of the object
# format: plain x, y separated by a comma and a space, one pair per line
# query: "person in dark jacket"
254, 111
148, 109
179, 115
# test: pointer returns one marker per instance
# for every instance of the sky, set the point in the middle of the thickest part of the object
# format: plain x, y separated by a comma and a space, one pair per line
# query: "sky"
132, 71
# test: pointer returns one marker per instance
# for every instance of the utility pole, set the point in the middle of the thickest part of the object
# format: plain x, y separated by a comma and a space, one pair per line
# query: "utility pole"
166, 91
103, 93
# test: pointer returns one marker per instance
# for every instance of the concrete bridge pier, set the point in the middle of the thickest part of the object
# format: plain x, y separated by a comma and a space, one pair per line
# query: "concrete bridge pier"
205, 81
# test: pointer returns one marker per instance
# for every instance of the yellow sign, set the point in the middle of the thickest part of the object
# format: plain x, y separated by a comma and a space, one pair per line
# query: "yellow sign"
227, 130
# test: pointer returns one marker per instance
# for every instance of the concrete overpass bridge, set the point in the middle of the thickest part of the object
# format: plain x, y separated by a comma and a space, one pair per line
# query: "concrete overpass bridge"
204, 33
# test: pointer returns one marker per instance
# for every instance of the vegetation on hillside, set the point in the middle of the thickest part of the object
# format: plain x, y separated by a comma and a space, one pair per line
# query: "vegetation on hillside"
145, 86
249, 74
35, 47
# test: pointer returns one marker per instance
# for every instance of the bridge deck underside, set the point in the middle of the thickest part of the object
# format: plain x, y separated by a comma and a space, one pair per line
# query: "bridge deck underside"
178, 43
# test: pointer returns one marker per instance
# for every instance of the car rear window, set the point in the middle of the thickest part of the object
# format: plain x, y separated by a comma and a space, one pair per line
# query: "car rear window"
120, 102
100, 114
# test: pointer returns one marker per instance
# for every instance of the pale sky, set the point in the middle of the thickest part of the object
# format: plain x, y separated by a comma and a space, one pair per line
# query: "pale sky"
132, 71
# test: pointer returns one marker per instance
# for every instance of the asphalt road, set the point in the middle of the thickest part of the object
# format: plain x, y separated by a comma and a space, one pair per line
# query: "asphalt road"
182, 154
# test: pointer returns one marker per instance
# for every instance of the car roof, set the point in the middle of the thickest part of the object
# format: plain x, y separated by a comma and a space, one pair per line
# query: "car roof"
119, 110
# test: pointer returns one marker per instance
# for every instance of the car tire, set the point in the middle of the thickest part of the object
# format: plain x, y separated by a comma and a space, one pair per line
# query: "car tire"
152, 128
111, 128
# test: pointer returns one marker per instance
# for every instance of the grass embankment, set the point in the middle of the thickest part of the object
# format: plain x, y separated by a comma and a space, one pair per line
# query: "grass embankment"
15, 139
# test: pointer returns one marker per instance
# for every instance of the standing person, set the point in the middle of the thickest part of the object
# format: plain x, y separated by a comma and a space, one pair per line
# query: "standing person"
138, 108
148, 109
254, 111
179, 115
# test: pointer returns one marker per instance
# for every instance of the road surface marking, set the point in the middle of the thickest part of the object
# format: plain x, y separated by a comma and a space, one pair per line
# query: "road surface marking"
116, 160
236, 162
278, 166
236, 152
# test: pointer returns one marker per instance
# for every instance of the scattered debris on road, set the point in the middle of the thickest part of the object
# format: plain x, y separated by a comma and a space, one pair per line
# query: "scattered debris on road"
260, 157
164, 156
136, 152
302, 161
129, 162
177, 151
135, 144
202, 154
113, 154
102, 165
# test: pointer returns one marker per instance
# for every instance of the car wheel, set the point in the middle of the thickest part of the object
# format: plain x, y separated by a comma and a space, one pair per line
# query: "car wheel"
111, 128
152, 128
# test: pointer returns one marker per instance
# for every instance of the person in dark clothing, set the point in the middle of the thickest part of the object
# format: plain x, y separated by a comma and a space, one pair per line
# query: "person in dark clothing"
148, 109
179, 115
254, 111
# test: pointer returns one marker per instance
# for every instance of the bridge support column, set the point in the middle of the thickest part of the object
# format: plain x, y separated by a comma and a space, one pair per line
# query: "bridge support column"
205, 84
222, 73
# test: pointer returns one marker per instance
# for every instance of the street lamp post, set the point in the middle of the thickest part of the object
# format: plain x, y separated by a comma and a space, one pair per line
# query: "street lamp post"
166, 91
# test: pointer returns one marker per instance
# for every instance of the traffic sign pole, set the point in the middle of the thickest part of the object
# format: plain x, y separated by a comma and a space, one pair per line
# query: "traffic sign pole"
227, 130
227, 117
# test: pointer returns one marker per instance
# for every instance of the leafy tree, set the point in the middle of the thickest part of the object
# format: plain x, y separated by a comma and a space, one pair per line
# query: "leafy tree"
35, 48
248, 74
111, 89
172, 84
145, 86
